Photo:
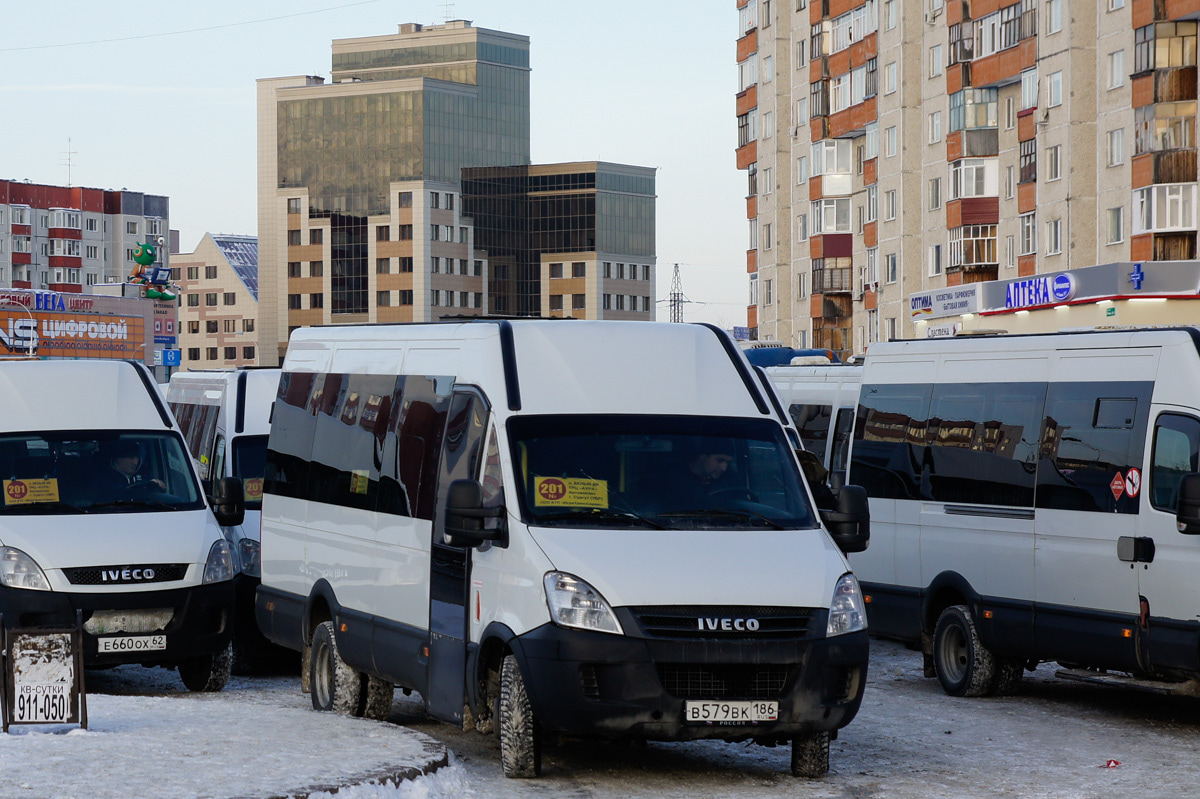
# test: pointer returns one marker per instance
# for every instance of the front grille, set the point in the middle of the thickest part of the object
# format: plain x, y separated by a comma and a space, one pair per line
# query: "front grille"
692, 681
703, 622
126, 575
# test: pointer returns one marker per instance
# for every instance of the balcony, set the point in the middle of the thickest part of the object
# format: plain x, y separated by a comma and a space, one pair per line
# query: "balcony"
836, 280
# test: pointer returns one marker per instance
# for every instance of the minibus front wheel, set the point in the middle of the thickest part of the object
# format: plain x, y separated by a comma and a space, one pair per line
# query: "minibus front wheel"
207, 673
520, 733
810, 755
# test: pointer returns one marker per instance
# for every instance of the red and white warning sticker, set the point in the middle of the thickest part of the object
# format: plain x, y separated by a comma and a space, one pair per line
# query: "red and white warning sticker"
1117, 486
1133, 482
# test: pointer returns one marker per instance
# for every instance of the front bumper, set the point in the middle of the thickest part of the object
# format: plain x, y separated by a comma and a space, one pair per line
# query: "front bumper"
595, 683
200, 621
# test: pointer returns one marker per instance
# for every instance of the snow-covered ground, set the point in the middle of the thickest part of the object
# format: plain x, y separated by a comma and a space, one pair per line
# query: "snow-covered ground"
259, 737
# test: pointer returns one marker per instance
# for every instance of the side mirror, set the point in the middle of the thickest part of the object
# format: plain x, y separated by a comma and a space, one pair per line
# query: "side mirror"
465, 515
228, 501
850, 525
1187, 510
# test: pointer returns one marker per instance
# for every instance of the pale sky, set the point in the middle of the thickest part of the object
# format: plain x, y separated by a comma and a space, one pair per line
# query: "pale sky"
160, 98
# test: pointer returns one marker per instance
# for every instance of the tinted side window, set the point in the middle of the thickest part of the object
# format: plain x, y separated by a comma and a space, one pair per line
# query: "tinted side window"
983, 443
812, 421
889, 440
839, 457
349, 428
408, 478
1093, 433
462, 449
293, 426
1176, 448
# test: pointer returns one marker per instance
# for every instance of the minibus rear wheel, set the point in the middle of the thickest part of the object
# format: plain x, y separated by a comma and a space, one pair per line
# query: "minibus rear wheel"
378, 701
810, 755
520, 733
964, 666
335, 685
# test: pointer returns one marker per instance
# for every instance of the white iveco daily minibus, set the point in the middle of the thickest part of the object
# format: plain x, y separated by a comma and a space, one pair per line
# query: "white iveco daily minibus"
225, 419
102, 519
554, 528
1034, 498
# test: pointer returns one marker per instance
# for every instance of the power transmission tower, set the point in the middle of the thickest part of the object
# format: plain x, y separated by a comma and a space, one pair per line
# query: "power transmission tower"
676, 295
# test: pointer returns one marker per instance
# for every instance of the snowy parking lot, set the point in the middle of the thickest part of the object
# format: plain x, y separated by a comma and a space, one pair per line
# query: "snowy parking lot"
259, 737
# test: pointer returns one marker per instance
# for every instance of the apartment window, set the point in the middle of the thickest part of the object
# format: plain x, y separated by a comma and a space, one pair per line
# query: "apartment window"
383, 266
1116, 69
831, 215
435, 297
556, 270
193, 353
449, 201
935, 61
1028, 161
293, 269
1028, 234
1010, 251
406, 232
130, 227
93, 252
802, 169
1116, 147
935, 127
889, 78
210, 299
578, 269
193, 272
248, 353
973, 245
748, 72
935, 260
1054, 237
293, 238
767, 295
766, 239
889, 204
294, 301
406, 297
1116, 231
1010, 181
316, 268
962, 42
768, 70
767, 180
210, 353
229, 325
800, 53
935, 193
1010, 112
230, 298
1054, 162
404, 199
889, 141
435, 199
556, 302
889, 14
210, 326
1054, 10
972, 109
383, 299
972, 177
872, 202
477, 268
753, 226
1054, 89
193, 300
193, 327
768, 124
231, 353
1029, 89
383, 233
1164, 126
293, 205
406, 264
801, 286
802, 111
871, 141
435, 232
247, 325
1113, 5
462, 235
1164, 207
316, 236
802, 227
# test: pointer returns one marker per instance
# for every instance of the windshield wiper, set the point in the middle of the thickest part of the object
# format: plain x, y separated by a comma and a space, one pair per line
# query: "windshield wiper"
46, 506
724, 512
135, 503
601, 513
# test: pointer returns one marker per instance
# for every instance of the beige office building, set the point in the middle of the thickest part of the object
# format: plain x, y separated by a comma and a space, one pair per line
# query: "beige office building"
218, 298
899, 152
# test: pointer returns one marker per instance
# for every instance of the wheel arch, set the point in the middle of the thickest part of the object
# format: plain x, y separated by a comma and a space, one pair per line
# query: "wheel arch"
322, 605
946, 589
484, 668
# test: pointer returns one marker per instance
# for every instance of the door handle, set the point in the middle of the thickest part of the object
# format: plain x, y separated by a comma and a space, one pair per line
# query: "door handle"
1135, 550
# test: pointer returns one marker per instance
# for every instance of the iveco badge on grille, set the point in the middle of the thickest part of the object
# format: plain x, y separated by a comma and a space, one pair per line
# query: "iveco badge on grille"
727, 625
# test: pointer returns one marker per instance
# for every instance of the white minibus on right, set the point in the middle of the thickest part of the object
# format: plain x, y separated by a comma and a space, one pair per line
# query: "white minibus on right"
1033, 498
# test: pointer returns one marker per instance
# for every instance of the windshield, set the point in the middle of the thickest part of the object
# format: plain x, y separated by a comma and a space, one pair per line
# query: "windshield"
665, 472
250, 463
95, 471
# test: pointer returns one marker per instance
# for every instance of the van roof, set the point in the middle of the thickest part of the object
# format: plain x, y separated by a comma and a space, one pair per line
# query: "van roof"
552, 366
79, 395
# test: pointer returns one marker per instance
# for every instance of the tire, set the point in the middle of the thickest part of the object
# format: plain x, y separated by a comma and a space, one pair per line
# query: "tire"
1007, 677
378, 703
335, 685
520, 734
964, 667
810, 755
207, 673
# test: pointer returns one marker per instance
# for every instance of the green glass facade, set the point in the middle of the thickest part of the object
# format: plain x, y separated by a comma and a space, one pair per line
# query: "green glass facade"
348, 147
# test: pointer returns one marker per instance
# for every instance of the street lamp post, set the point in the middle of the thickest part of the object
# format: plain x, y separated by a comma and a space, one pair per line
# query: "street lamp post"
33, 327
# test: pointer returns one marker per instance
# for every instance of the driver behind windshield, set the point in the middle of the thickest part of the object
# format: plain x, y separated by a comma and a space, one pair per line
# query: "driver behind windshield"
703, 474
125, 463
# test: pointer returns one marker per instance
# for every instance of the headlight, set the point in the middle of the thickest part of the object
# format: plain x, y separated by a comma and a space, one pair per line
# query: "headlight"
574, 603
248, 550
220, 563
847, 613
18, 570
